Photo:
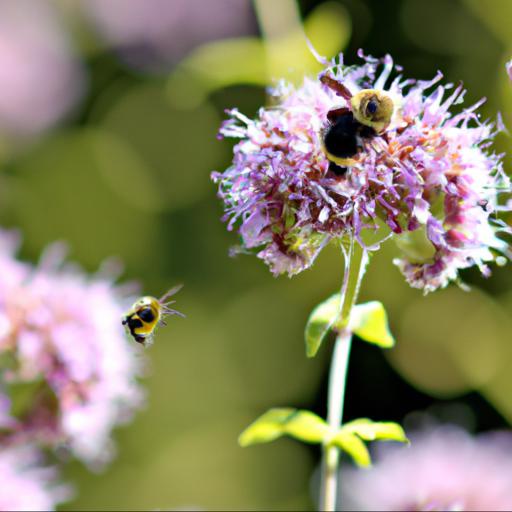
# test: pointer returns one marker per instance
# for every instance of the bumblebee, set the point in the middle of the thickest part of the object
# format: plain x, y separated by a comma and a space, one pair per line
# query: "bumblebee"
369, 115
147, 313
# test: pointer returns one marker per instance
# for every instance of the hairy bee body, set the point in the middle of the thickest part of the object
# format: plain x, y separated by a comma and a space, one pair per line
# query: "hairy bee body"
369, 115
342, 139
146, 314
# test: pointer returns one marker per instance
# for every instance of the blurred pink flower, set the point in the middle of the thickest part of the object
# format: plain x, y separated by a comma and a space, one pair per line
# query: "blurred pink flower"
40, 80
429, 180
443, 469
151, 35
25, 484
61, 333
509, 69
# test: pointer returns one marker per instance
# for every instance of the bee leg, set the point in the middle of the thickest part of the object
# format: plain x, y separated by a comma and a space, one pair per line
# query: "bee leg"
337, 170
336, 86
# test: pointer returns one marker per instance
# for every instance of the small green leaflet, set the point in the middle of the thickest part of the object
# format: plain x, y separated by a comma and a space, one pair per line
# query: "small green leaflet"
353, 445
349, 437
302, 425
320, 322
310, 428
368, 320
372, 431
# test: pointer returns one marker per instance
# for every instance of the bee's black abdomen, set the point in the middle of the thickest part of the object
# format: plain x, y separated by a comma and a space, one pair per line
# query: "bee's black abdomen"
146, 315
366, 131
134, 323
337, 169
140, 339
340, 139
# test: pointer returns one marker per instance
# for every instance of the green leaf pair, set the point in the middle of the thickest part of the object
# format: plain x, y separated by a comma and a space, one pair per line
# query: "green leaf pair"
310, 428
369, 321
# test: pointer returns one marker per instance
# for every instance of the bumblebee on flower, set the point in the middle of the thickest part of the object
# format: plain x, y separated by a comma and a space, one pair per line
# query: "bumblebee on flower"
419, 173
367, 114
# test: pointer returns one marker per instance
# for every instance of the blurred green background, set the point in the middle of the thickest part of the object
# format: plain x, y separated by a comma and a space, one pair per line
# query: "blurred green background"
107, 139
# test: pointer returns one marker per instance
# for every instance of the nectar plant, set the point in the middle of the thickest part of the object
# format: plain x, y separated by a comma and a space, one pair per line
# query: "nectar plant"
68, 375
358, 156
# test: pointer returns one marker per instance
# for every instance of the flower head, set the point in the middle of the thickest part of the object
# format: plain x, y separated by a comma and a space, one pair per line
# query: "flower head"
26, 485
443, 469
427, 177
61, 336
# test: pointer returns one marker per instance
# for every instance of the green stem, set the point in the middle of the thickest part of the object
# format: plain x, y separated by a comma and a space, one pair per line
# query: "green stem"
337, 380
355, 265
355, 269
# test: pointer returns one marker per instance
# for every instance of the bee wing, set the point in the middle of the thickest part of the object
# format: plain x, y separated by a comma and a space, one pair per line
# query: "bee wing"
336, 113
170, 293
169, 311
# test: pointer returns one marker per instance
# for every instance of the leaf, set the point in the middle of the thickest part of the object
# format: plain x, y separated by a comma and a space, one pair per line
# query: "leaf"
302, 425
350, 437
320, 322
308, 427
353, 445
266, 428
370, 322
371, 431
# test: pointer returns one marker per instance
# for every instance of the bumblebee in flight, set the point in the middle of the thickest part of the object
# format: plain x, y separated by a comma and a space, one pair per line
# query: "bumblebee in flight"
369, 115
147, 313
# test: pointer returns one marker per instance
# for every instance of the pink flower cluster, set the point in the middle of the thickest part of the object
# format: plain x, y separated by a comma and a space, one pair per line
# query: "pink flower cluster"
430, 180
443, 469
68, 373
26, 483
